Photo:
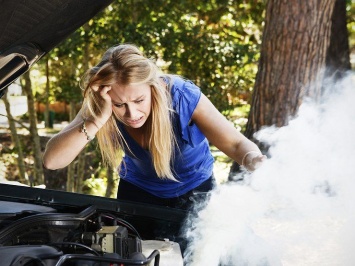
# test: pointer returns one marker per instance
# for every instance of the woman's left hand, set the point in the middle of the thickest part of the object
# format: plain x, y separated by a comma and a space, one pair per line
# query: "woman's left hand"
253, 160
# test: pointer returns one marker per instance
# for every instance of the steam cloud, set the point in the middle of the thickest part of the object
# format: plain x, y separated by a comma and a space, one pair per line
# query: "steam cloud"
298, 208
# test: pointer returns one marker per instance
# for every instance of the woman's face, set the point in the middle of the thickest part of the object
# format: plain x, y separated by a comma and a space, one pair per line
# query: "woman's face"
132, 103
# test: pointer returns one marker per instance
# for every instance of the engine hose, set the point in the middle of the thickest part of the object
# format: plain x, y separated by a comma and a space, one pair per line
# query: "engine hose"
59, 220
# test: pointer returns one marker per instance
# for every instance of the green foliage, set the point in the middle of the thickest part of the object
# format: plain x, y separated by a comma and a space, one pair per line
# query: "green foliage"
94, 186
239, 116
214, 43
351, 24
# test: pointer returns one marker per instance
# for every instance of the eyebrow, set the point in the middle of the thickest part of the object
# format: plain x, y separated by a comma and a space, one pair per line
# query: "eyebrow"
137, 99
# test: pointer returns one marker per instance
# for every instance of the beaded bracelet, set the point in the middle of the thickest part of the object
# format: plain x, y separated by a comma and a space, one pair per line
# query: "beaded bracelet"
83, 130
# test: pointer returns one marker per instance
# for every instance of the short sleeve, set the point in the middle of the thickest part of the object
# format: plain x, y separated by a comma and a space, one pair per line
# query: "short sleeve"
185, 96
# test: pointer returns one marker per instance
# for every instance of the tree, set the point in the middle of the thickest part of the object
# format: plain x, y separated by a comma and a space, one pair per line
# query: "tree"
16, 140
111, 183
293, 54
223, 35
70, 60
337, 59
38, 177
295, 46
214, 43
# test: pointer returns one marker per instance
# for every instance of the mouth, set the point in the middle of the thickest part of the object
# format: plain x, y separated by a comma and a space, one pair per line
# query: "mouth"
134, 121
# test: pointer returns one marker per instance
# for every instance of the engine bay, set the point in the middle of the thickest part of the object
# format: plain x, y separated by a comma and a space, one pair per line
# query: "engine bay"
33, 234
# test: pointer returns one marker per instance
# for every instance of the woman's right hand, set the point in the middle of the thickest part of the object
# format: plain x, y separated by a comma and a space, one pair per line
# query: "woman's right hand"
57, 155
106, 110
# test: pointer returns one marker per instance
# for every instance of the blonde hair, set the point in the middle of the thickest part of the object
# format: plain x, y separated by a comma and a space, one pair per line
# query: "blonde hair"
125, 64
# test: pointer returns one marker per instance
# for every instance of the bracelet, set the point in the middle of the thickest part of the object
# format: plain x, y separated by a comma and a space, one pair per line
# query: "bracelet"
245, 156
83, 130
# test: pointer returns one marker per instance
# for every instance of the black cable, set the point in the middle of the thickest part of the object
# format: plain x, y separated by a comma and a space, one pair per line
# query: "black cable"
74, 244
123, 222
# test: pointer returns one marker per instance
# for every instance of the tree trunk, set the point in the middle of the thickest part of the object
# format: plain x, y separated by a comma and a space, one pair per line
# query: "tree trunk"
71, 167
16, 140
338, 56
111, 183
38, 177
80, 171
82, 154
70, 185
294, 48
46, 111
81, 165
293, 55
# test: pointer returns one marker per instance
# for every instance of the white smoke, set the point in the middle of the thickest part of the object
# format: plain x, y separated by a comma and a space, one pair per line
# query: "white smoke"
299, 206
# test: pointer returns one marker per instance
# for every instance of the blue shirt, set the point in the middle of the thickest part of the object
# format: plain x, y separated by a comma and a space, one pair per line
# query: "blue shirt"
193, 161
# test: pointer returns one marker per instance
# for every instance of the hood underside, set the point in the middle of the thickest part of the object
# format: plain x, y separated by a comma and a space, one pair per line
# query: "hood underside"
30, 29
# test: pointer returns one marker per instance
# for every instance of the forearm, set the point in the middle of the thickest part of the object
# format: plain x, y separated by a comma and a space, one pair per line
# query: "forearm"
64, 147
225, 136
238, 151
248, 154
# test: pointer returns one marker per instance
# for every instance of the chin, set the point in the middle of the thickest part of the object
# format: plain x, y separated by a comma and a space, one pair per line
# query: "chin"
138, 125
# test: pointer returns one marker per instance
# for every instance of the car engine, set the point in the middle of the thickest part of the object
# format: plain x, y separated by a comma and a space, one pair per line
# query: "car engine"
32, 235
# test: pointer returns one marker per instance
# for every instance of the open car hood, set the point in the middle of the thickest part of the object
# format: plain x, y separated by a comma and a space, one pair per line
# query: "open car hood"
30, 29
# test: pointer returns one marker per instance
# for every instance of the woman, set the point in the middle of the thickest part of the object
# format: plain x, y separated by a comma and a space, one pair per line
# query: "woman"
155, 128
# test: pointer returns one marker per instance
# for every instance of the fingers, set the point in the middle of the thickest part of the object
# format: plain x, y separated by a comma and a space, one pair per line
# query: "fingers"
102, 89
104, 93
105, 89
105, 104
95, 88
259, 159
262, 158
256, 162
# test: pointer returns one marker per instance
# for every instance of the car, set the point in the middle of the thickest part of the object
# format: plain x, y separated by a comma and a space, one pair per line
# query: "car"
48, 227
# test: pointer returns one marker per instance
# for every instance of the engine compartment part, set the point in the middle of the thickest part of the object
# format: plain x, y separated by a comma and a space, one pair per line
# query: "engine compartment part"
34, 235
29, 255
113, 239
170, 252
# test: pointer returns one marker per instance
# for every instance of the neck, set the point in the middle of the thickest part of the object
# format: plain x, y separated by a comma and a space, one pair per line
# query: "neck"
139, 135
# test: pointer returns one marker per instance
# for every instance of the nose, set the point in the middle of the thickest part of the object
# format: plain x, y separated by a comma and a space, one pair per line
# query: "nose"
130, 111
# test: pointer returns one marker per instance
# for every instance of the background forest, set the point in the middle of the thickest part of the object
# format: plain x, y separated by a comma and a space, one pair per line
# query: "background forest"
217, 44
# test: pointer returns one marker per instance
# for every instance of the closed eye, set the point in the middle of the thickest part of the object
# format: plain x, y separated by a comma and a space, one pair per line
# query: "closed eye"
119, 105
139, 101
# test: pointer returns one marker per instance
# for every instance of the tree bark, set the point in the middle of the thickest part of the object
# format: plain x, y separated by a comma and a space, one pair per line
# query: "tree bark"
293, 56
70, 187
38, 177
16, 140
82, 154
46, 111
111, 183
338, 55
